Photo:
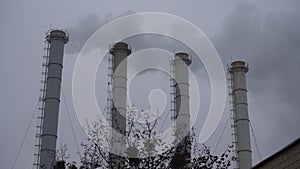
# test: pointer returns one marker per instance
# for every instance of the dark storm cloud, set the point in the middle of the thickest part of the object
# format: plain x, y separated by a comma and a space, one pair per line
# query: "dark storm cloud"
269, 42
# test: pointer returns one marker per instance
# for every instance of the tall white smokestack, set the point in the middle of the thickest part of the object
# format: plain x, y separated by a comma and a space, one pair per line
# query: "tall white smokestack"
57, 40
238, 72
182, 110
119, 51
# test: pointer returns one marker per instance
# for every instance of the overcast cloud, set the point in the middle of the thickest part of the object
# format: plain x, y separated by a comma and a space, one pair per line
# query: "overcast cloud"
265, 33
269, 42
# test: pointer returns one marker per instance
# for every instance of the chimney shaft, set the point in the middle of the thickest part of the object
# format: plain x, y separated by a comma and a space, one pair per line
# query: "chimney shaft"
182, 109
120, 51
57, 39
238, 72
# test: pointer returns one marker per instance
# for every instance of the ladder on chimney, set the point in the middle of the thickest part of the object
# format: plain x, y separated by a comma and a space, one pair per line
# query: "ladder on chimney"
232, 117
172, 88
41, 109
109, 100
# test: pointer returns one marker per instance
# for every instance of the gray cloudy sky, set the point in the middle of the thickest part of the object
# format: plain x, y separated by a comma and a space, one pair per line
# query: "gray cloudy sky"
265, 33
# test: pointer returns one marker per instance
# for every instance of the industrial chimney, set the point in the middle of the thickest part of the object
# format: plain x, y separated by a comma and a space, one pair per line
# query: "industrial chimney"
56, 39
238, 72
182, 111
119, 52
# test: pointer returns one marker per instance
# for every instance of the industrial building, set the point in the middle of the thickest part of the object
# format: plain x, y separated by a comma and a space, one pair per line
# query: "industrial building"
286, 158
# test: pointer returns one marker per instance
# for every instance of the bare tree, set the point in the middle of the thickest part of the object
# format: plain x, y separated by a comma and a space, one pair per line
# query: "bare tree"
142, 149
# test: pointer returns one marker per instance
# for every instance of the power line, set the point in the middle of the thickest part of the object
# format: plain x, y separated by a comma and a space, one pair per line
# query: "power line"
24, 137
70, 121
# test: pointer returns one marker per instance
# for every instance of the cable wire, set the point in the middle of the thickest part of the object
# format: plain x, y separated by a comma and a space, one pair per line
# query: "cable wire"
70, 121
24, 137
223, 131
255, 141
164, 121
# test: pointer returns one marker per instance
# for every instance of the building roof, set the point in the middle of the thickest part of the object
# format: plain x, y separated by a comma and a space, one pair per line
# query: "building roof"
292, 144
